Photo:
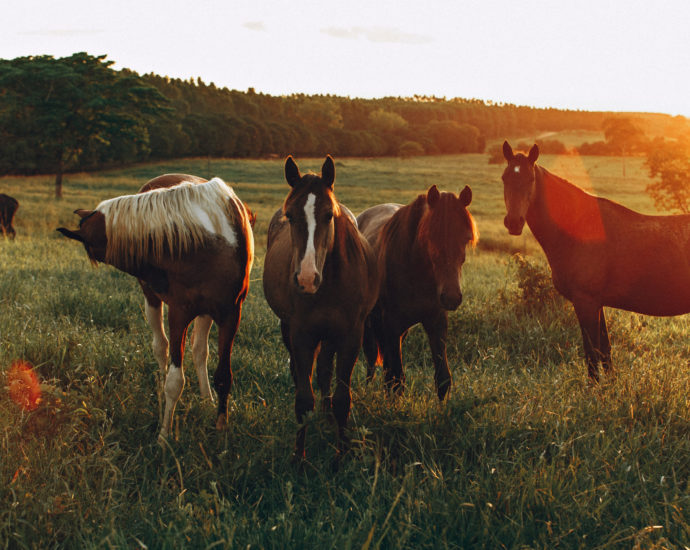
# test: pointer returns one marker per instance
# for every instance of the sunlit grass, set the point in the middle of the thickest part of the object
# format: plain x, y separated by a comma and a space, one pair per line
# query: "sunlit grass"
524, 454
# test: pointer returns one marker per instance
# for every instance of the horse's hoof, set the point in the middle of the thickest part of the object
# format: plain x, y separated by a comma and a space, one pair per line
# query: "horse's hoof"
221, 422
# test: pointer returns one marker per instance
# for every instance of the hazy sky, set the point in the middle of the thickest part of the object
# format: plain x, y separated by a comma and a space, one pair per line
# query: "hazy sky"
597, 55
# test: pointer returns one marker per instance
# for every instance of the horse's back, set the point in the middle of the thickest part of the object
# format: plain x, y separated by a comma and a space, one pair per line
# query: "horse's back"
372, 221
169, 180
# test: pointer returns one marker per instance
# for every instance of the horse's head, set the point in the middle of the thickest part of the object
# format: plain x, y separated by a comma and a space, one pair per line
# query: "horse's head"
446, 228
309, 208
518, 186
91, 234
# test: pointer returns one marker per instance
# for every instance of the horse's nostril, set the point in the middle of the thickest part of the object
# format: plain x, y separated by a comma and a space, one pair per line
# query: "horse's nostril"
317, 279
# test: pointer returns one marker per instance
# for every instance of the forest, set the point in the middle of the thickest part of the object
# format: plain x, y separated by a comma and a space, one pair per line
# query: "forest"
78, 113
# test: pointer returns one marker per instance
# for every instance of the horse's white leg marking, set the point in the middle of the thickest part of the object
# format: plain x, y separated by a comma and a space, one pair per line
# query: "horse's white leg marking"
307, 268
154, 316
202, 326
174, 383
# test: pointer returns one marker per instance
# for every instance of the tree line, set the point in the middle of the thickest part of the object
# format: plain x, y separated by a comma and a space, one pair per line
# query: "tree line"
78, 113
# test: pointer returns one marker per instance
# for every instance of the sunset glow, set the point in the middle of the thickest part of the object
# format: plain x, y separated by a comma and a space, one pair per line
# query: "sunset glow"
23, 384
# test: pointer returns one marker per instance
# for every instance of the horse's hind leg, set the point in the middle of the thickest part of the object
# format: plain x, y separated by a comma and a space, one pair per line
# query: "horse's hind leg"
154, 316
178, 321
202, 326
371, 343
437, 330
324, 373
222, 379
394, 377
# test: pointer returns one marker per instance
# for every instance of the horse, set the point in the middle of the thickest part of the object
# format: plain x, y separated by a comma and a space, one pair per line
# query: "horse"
601, 253
8, 208
320, 280
189, 242
421, 250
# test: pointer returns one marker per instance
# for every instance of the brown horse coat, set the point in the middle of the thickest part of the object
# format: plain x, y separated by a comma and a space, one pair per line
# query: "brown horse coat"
320, 280
421, 250
8, 207
190, 244
600, 252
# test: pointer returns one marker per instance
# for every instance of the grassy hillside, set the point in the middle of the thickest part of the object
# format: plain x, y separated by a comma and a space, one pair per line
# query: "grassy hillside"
523, 454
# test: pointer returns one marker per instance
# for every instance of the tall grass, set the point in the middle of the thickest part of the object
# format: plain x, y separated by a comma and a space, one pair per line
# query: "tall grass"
523, 454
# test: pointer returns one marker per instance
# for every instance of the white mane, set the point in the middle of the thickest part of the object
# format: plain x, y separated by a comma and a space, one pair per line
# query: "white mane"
168, 221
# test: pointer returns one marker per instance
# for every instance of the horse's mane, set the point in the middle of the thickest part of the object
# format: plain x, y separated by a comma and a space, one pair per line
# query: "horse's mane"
165, 222
402, 227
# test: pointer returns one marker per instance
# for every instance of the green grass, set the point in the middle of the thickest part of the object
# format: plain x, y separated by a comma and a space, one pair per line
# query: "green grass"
523, 454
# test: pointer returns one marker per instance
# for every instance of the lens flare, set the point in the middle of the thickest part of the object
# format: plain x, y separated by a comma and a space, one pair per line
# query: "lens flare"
24, 387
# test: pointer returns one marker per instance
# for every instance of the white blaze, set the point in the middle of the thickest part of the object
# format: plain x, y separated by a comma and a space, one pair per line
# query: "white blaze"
307, 268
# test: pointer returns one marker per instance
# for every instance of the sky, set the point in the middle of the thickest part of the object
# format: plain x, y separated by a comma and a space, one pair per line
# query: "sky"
591, 54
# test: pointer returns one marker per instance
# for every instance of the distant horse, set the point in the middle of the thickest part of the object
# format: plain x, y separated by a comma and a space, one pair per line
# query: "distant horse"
600, 253
320, 280
8, 207
420, 249
190, 243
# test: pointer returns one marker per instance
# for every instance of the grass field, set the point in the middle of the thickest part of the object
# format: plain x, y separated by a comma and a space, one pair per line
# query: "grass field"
524, 454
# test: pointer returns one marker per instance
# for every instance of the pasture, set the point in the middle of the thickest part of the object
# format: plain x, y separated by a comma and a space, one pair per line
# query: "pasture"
523, 454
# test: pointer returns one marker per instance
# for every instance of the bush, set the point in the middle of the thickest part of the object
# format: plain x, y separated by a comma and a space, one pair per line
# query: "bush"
535, 285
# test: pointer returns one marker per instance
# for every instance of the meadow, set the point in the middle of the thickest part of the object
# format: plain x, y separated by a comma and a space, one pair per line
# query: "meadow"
524, 453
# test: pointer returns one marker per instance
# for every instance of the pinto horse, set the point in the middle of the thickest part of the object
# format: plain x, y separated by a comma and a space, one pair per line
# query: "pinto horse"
600, 253
8, 208
421, 250
320, 280
190, 244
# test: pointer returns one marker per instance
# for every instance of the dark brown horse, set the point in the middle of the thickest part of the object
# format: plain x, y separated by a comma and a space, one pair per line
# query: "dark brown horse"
600, 253
8, 207
420, 249
189, 242
320, 279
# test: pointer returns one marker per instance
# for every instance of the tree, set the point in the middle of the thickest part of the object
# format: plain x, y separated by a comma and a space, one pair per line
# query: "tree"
76, 110
670, 162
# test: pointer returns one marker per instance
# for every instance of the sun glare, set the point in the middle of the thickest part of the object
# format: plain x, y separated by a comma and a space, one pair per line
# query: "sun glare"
24, 386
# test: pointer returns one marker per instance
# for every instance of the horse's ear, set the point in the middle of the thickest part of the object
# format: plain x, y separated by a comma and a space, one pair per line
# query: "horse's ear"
466, 196
508, 151
292, 174
533, 154
83, 213
71, 234
432, 195
328, 171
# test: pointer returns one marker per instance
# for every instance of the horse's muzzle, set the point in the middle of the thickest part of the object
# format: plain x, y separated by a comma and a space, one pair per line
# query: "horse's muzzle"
307, 285
450, 301
514, 225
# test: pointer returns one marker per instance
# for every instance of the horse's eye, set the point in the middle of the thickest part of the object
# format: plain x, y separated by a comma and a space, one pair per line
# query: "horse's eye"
288, 216
329, 216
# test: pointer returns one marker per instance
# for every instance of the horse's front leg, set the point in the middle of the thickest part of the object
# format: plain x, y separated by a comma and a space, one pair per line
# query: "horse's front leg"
202, 326
604, 343
178, 321
324, 373
589, 314
222, 379
436, 330
303, 348
348, 351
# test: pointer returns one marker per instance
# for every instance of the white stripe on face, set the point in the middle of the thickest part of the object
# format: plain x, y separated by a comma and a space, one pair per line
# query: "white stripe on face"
308, 264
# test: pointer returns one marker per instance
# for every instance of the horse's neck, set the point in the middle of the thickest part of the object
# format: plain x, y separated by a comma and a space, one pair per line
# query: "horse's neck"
553, 211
